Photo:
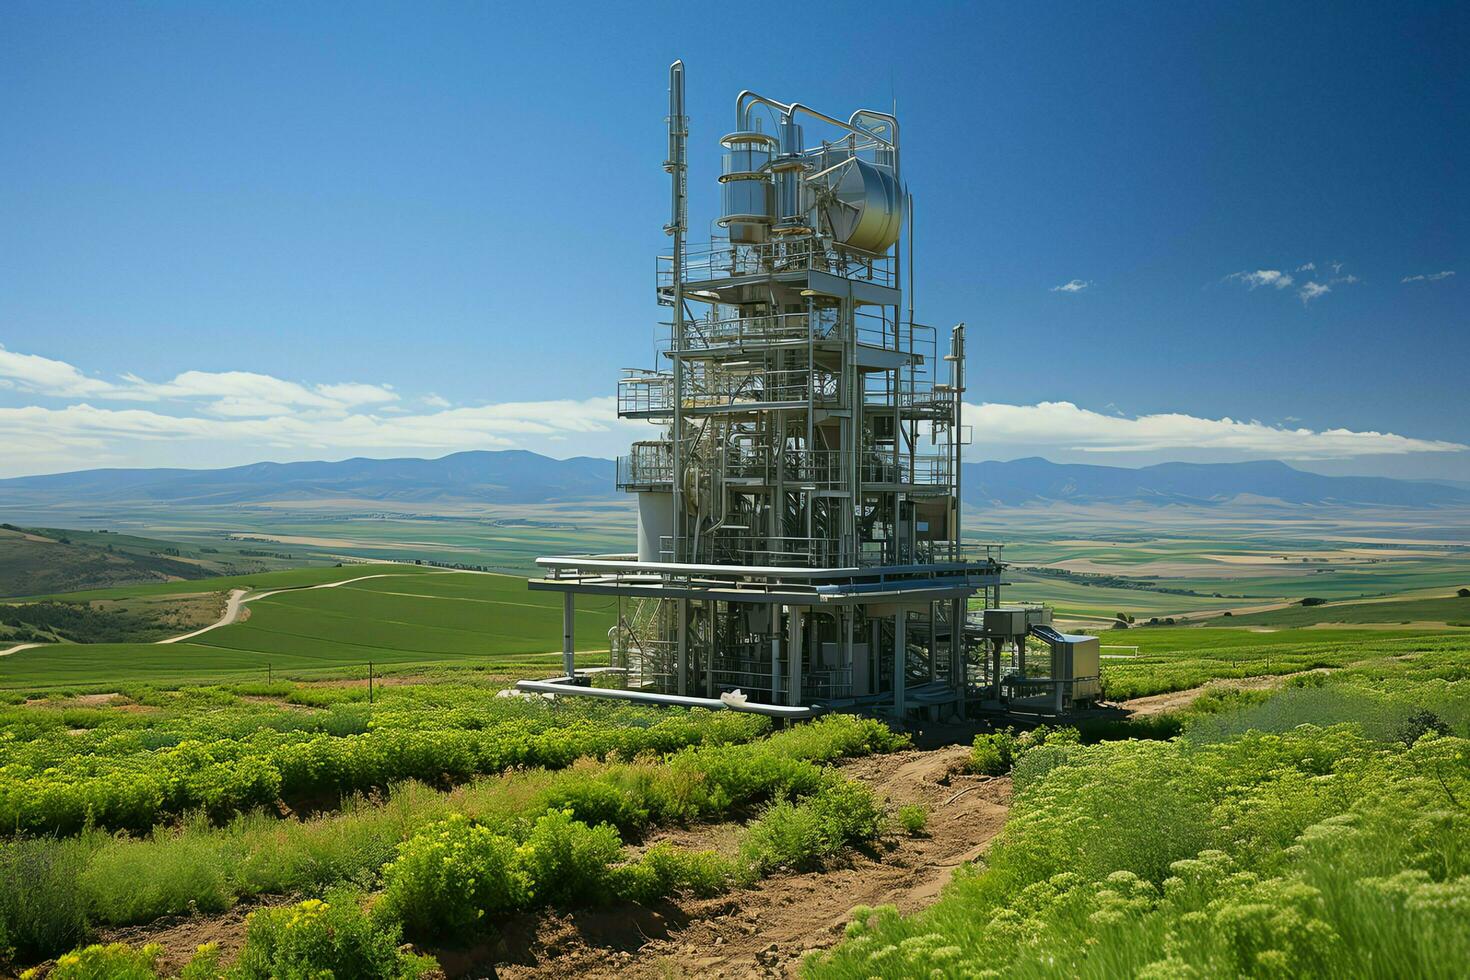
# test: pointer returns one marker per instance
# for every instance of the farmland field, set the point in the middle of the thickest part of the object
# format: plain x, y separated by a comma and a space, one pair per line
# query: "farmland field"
396, 617
243, 789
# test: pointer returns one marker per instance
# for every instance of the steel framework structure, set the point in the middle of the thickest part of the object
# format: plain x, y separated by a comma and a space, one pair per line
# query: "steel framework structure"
799, 535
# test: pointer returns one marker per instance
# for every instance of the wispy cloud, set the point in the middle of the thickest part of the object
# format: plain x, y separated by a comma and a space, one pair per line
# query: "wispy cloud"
1274, 278
1065, 426
1312, 290
1308, 267
1429, 277
1075, 286
238, 417
236, 394
249, 416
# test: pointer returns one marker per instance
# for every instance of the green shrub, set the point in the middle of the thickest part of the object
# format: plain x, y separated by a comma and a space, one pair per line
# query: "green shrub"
42, 912
913, 818
993, 753
799, 835
449, 875
115, 961
316, 939
568, 862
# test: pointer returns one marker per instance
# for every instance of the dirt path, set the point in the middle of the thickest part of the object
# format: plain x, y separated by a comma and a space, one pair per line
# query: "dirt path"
1158, 704
19, 647
239, 597
767, 929
231, 613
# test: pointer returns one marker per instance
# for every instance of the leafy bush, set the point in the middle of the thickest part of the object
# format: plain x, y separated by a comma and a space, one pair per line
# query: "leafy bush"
569, 862
913, 818
799, 835
449, 875
993, 753
1315, 852
115, 961
331, 938
42, 912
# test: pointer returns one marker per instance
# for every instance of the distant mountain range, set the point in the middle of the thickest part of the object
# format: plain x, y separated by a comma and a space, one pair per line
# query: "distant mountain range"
519, 477
1038, 481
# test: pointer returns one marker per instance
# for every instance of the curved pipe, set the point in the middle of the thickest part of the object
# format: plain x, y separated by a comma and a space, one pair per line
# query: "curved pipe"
747, 98
668, 700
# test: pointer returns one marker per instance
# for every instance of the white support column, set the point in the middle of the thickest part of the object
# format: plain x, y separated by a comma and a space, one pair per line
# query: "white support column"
709, 651
900, 661
682, 663
933, 639
568, 635
848, 619
775, 654
959, 669
793, 655
875, 664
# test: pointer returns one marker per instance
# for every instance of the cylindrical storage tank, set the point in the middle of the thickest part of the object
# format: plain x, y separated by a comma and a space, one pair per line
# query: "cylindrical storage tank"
746, 194
655, 523
868, 207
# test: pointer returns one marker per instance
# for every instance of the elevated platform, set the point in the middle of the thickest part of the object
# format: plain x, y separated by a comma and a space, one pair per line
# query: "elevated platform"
791, 586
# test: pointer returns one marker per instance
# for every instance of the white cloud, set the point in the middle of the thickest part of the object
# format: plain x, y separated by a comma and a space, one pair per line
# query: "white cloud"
45, 376
1429, 277
1312, 290
1075, 286
1308, 267
1262, 277
225, 418
1063, 426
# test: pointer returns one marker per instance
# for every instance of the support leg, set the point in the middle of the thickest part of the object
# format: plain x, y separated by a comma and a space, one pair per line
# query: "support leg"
900, 662
793, 655
568, 635
681, 666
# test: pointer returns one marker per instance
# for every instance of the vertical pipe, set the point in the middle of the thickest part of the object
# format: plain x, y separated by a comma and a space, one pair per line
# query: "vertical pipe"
678, 138
794, 645
775, 653
848, 617
568, 638
682, 664
900, 661
957, 382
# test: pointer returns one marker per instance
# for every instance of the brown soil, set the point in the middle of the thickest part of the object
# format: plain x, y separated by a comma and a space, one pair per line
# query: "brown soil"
761, 931
765, 931
1158, 704
182, 935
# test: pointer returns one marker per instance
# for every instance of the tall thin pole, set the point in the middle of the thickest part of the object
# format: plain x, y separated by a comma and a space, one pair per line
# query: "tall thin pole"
678, 136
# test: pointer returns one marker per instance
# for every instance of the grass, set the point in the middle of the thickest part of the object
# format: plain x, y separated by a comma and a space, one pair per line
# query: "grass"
409, 618
1316, 848
1453, 610
1174, 659
63, 888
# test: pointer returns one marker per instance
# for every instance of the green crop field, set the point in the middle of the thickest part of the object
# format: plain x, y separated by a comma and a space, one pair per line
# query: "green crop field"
1450, 610
403, 617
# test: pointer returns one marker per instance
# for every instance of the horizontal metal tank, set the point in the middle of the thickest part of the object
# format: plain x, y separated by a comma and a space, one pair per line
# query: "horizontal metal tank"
747, 197
867, 206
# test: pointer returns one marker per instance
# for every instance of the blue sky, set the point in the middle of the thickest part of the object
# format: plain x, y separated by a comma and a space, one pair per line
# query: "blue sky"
238, 232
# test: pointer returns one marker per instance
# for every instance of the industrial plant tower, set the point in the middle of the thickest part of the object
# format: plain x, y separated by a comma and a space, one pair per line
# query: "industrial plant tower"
799, 538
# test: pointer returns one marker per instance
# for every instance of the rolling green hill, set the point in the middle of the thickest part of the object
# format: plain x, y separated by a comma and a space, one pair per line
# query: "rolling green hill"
35, 560
332, 622
1453, 610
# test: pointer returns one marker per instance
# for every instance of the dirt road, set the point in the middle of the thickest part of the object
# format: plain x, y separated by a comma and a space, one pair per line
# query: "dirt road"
765, 930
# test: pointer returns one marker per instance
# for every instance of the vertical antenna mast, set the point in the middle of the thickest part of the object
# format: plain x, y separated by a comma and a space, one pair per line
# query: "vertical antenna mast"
675, 165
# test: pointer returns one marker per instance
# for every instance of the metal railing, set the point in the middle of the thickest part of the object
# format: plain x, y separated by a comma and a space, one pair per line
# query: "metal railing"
650, 464
725, 260
778, 329
926, 470
712, 387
